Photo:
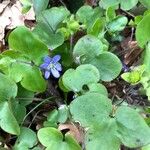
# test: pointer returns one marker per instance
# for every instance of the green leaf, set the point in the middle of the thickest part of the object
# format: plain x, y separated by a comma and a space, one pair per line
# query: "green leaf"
103, 137
91, 109
142, 31
108, 3
63, 114
18, 110
48, 23
127, 5
7, 120
146, 3
26, 5
98, 88
73, 79
28, 44
147, 147
8, 88
89, 16
27, 139
39, 6
87, 48
30, 76
147, 57
24, 96
54, 140
117, 24
108, 64
50, 38
133, 130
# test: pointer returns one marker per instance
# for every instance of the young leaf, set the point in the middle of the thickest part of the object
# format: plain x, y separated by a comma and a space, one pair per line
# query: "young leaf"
133, 130
73, 79
28, 44
91, 109
54, 140
7, 120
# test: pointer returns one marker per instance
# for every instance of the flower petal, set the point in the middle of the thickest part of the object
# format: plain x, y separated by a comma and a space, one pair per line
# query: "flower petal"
55, 73
47, 59
56, 58
58, 66
44, 66
47, 74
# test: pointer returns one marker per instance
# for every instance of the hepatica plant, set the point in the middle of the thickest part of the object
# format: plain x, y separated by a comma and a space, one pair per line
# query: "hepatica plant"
44, 89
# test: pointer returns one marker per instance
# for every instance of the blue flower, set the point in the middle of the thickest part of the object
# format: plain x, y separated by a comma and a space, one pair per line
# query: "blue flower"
51, 66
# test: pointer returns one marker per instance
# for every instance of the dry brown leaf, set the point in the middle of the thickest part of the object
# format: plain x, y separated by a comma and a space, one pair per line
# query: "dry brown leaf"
73, 130
12, 17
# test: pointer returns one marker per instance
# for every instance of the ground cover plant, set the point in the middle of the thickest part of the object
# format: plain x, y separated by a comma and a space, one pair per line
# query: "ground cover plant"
77, 77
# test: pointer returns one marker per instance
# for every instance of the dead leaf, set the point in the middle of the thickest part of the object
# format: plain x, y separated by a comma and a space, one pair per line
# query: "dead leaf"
12, 17
75, 131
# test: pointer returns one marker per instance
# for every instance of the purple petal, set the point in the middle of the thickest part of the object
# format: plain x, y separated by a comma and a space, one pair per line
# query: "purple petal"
47, 59
47, 74
55, 73
44, 66
58, 66
56, 58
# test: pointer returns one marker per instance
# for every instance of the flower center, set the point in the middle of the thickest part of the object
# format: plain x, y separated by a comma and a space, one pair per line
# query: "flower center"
50, 66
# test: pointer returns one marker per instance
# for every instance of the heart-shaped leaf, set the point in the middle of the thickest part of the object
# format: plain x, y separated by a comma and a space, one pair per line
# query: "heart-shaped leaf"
28, 44
48, 22
54, 140
8, 88
73, 79
26, 140
30, 76
89, 50
90, 109
7, 120
103, 137
133, 130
